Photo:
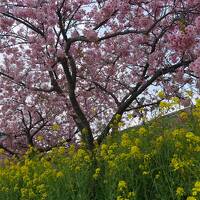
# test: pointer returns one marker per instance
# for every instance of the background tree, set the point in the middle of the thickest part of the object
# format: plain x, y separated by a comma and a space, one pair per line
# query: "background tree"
74, 66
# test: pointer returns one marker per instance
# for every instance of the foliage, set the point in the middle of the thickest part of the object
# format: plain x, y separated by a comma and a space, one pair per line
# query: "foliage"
155, 161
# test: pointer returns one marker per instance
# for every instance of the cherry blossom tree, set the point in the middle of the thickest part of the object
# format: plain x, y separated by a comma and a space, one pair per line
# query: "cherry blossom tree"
75, 66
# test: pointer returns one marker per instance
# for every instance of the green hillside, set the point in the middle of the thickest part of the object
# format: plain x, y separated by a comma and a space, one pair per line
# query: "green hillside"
157, 161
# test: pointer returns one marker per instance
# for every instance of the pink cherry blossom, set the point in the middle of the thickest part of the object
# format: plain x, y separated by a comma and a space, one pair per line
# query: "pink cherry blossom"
78, 64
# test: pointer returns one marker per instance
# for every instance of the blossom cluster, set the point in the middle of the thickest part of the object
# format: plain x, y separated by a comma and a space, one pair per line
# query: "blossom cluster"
129, 165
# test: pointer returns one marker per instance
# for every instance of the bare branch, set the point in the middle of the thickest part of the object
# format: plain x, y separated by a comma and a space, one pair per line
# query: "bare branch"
24, 22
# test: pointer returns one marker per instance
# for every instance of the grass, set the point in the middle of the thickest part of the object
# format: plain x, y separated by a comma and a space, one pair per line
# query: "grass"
157, 161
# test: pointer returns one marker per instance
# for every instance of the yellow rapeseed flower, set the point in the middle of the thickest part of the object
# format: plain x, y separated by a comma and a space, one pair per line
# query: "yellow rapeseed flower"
161, 94
135, 151
197, 149
191, 198
55, 127
191, 137
179, 192
197, 103
87, 158
142, 131
113, 146
131, 194
125, 140
120, 198
24, 193
157, 176
121, 124
130, 116
176, 163
97, 173
77, 169
196, 113
183, 116
175, 100
104, 151
61, 150
41, 188
44, 196
118, 116
1, 151
159, 140
178, 133
59, 175
178, 145
196, 188
145, 173
71, 150
31, 194
164, 105
124, 156
122, 186
112, 165
81, 153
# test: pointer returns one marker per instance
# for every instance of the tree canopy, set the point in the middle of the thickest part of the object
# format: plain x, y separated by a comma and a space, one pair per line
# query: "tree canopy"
72, 67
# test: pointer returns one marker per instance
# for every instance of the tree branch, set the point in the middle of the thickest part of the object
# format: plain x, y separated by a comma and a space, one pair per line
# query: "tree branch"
124, 105
24, 22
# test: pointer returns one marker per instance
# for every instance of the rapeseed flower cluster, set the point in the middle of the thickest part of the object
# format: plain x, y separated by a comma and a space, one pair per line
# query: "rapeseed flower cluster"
196, 188
150, 162
180, 192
